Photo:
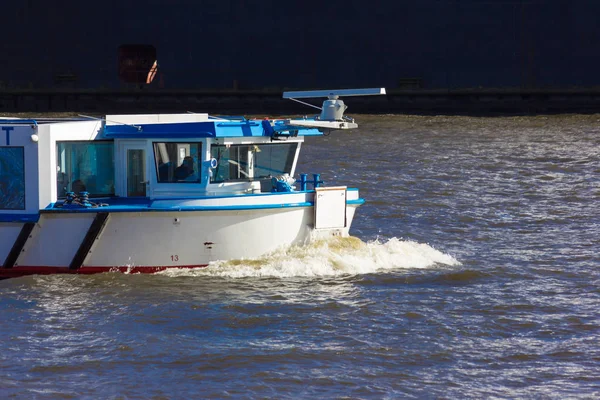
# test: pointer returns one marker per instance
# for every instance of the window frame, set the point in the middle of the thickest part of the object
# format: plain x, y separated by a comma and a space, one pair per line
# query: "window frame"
197, 164
24, 203
292, 151
90, 143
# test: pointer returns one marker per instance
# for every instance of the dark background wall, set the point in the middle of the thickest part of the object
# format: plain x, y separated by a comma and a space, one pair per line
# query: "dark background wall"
306, 44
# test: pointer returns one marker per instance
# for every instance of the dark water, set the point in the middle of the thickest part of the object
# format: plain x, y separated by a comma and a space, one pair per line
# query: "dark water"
476, 276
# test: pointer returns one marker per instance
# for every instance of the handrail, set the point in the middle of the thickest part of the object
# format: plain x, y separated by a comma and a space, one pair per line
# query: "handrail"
18, 121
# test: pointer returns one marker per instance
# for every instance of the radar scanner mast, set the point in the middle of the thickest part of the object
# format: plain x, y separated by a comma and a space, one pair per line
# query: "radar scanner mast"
332, 113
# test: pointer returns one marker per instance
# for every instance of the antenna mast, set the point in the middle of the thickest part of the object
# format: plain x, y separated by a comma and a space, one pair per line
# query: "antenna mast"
333, 108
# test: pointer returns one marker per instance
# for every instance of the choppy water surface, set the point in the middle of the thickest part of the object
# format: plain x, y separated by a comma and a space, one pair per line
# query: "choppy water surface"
473, 272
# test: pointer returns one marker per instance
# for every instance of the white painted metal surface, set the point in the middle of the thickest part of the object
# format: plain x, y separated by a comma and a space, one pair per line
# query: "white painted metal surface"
132, 119
330, 210
196, 238
55, 240
121, 157
8, 235
324, 124
49, 134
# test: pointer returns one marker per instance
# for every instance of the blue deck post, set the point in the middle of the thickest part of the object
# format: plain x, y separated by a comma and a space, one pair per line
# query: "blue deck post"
317, 180
302, 182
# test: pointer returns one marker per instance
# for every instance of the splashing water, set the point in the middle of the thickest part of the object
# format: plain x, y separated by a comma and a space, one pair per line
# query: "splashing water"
333, 257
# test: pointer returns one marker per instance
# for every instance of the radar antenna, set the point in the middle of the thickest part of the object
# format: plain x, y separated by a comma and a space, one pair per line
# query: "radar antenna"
332, 112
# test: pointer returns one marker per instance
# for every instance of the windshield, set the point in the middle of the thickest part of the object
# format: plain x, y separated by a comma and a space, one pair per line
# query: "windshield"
177, 162
252, 161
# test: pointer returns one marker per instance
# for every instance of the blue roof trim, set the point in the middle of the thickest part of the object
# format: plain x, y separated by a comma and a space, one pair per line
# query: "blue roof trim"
19, 217
42, 121
281, 126
175, 130
239, 129
189, 130
18, 121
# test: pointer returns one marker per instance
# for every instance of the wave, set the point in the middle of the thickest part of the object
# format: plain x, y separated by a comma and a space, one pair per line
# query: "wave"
332, 257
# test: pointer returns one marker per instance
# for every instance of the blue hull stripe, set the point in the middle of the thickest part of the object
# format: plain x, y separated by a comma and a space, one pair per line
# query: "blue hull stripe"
19, 217
189, 208
146, 202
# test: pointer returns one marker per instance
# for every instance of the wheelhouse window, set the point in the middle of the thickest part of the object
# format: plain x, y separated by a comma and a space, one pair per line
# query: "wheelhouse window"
252, 162
12, 178
177, 162
85, 167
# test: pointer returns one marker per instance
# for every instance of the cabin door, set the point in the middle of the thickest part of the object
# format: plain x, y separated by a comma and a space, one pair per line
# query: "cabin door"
136, 174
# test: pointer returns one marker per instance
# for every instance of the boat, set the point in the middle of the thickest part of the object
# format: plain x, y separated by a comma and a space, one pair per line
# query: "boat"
143, 193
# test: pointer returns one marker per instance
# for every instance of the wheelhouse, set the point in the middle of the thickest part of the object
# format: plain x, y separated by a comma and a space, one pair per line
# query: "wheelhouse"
202, 156
143, 156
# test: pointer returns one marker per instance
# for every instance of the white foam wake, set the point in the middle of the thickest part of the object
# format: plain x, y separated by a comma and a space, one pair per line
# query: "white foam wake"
333, 257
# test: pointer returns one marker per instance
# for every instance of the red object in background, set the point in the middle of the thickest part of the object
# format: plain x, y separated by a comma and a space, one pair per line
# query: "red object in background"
137, 63
152, 72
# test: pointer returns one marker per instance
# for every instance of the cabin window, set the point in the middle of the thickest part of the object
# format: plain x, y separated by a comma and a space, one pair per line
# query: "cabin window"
177, 162
12, 178
254, 161
85, 167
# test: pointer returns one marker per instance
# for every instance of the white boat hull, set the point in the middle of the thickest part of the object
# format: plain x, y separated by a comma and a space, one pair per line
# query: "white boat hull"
151, 241
142, 193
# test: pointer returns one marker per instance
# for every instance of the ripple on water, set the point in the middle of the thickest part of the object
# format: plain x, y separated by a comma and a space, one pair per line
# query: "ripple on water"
495, 295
